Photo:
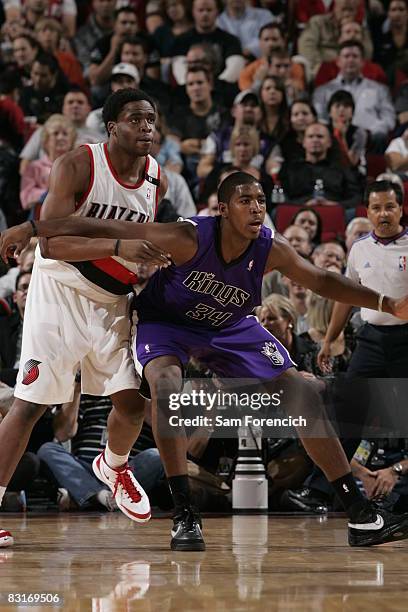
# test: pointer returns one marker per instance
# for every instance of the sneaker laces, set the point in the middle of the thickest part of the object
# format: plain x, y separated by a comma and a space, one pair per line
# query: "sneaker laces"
124, 478
188, 516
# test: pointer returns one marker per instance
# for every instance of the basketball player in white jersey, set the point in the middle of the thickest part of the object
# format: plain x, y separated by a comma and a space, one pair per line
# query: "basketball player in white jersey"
77, 309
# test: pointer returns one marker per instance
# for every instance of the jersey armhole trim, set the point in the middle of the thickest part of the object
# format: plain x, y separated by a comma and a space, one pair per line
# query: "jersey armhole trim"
157, 192
91, 178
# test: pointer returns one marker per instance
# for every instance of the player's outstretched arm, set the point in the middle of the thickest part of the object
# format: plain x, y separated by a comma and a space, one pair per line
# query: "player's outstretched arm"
177, 239
329, 284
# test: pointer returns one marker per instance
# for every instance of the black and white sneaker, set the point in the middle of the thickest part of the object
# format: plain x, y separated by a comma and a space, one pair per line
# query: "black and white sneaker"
186, 533
377, 526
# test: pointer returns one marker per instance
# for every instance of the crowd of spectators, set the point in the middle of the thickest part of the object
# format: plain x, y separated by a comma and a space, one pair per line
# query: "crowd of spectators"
311, 98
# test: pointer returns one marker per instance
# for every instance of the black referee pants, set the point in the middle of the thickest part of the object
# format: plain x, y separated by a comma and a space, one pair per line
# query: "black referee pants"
381, 352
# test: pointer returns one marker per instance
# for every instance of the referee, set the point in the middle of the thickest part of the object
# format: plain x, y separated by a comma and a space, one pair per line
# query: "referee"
379, 261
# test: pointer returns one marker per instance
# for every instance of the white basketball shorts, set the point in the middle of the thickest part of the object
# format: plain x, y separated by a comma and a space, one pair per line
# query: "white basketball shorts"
63, 330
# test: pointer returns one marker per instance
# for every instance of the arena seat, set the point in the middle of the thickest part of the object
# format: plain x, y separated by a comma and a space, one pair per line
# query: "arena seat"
361, 210
375, 165
333, 220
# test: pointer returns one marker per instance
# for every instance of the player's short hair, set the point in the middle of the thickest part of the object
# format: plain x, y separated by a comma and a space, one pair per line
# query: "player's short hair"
228, 185
116, 101
384, 186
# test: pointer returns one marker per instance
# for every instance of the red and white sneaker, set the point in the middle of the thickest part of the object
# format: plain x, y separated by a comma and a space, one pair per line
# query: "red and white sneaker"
128, 493
6, 539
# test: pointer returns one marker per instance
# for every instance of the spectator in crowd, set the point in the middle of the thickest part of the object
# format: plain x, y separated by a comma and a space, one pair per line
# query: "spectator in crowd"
76, 107
311, 221
351, 139
271, 39
338, 185
244, 146
192, 124
357, 228
280, 66
299, 239
25, 263
178, 192
301, 115
45, 96
123, 76
278, 315
216, 149
11, 330
168, 154
58, 137
374, 110
318, 315
318, 41
134, 50
84, 422
227, 47
350, 30
297, 296
12, 123
203, 54
244, 22
177, 21
391, 40
104, 54
49, 33
274, 110
25, 49
330, 255
99, 24
211, 208
396, 155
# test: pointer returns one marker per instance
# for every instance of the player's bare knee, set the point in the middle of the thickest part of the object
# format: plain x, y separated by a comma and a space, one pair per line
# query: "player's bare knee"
165, 380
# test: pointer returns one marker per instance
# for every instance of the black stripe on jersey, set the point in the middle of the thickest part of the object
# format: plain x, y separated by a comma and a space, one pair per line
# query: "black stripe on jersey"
152, 180
101, 278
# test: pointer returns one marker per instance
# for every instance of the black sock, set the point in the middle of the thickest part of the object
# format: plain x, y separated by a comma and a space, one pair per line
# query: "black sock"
180, 491
350, 495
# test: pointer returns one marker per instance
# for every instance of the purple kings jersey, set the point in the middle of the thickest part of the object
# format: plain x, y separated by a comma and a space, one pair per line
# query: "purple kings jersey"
207, 292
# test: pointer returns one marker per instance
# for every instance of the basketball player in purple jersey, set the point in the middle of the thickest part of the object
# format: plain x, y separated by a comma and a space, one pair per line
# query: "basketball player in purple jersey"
201, 306
77, 308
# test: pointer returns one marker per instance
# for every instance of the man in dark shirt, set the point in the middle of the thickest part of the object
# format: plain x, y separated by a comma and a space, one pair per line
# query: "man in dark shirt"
193, 123
45, 96
226, 46
339, 185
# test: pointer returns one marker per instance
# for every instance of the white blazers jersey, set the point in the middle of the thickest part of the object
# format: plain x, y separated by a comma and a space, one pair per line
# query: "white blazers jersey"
107, 197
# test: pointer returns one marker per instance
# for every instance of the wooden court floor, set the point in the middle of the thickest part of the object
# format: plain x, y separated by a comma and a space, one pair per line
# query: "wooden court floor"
105, 563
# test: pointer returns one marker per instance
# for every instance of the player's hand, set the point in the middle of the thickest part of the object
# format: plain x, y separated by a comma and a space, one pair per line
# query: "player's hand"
143, 251
399, 308
14, 240
324, 358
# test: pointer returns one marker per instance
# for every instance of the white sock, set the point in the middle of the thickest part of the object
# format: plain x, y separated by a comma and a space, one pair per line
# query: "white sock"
113, 460
2, 492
